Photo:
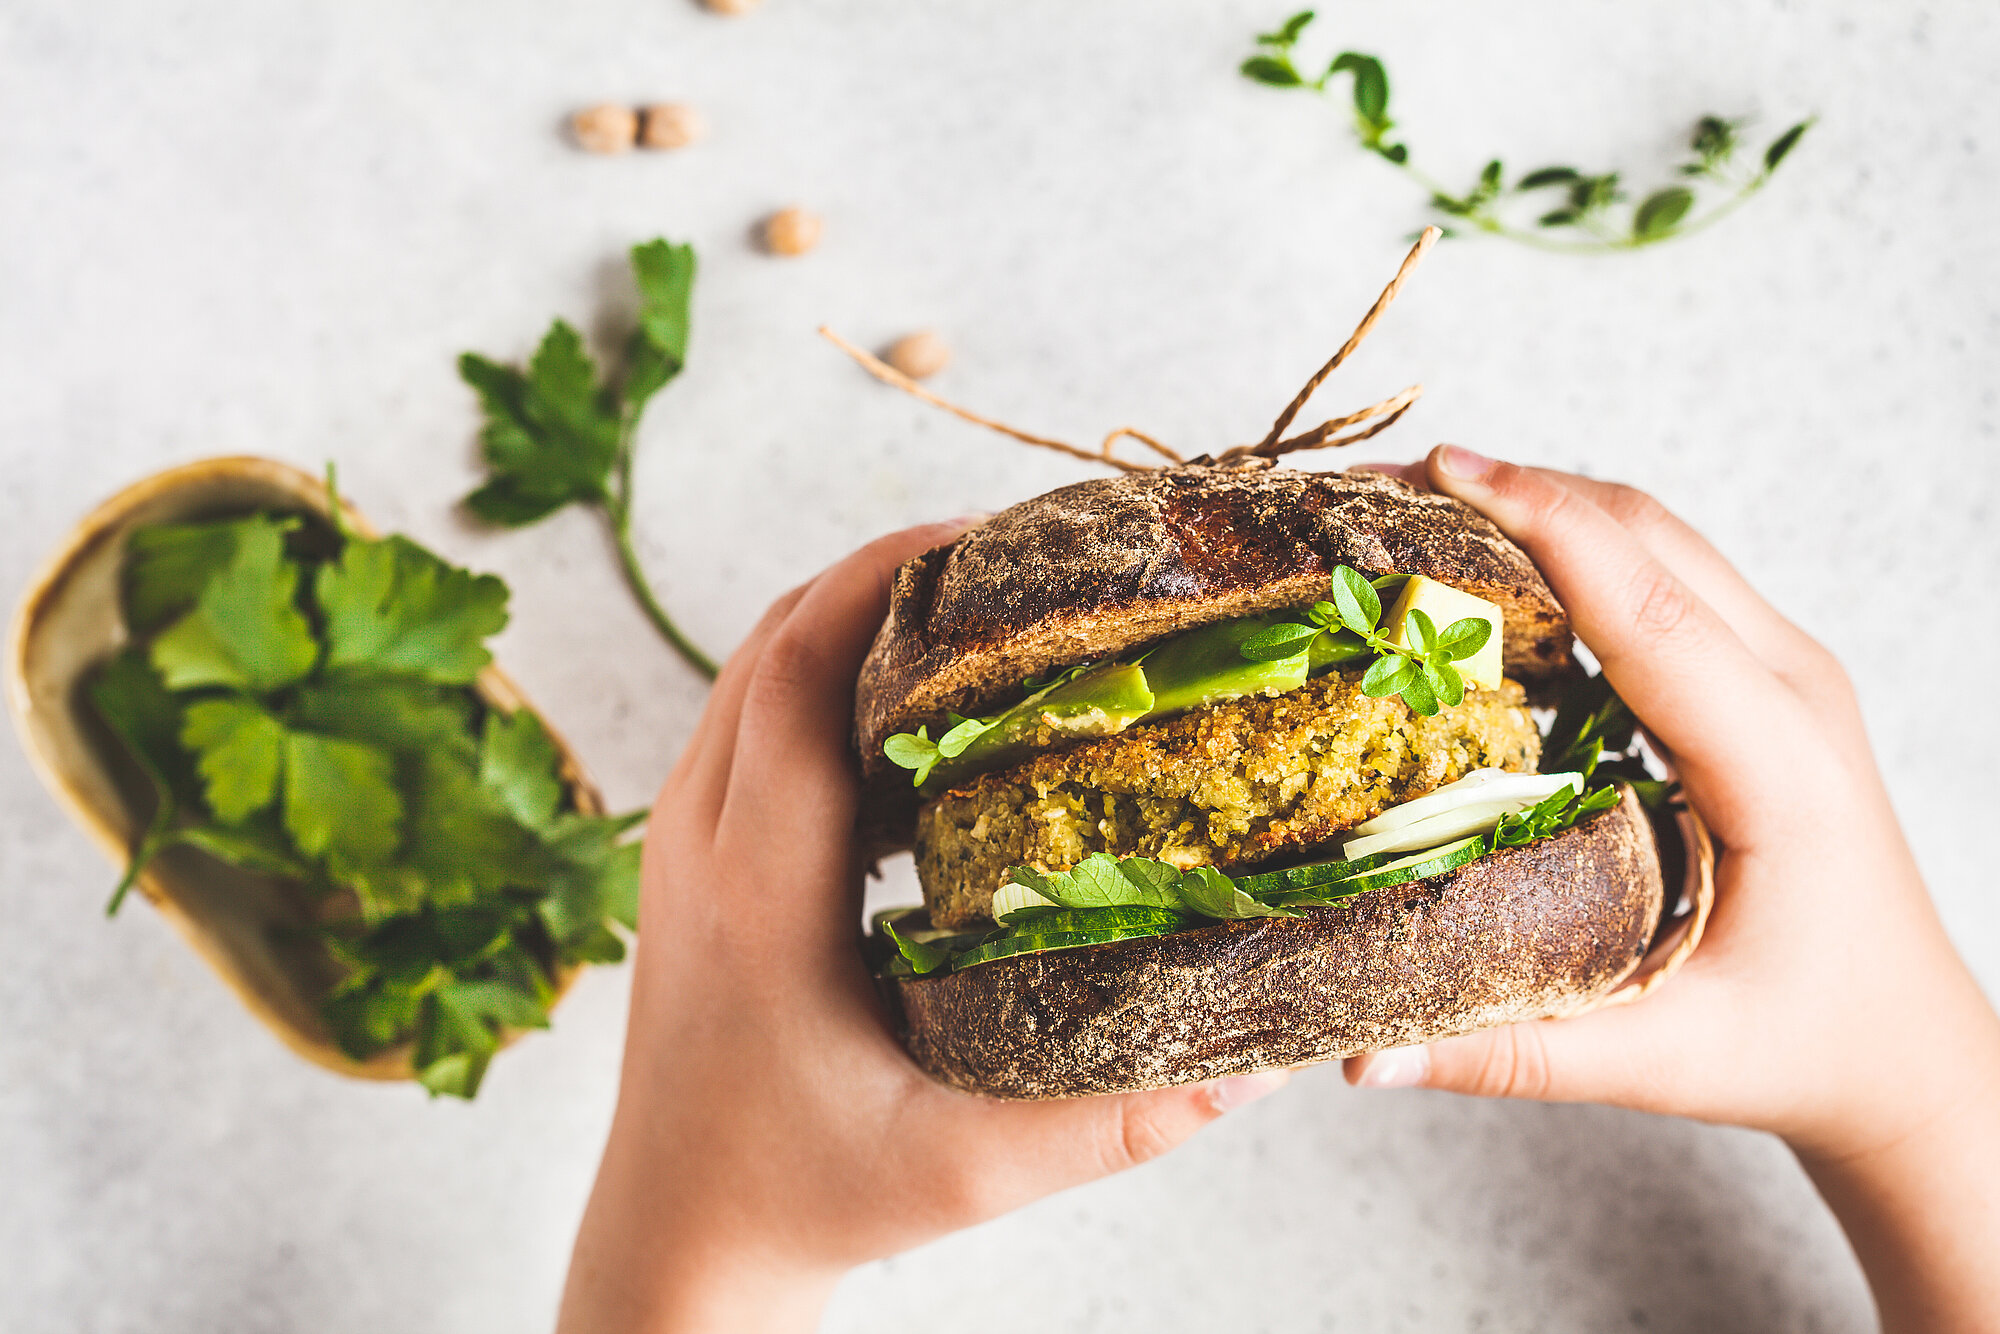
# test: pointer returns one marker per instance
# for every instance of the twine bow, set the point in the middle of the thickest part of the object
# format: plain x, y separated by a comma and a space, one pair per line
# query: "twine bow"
1275, 443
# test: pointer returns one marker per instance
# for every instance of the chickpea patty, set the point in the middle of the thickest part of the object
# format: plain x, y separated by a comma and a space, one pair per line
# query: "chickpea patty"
1231, 785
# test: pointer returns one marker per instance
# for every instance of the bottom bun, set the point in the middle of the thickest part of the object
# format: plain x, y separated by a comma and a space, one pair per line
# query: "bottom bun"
1522, 933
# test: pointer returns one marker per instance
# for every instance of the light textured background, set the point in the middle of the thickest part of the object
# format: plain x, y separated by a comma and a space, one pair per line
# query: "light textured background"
241, 226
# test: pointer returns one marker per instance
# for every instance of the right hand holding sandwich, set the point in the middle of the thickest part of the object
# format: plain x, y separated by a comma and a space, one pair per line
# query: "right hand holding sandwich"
1826, 1004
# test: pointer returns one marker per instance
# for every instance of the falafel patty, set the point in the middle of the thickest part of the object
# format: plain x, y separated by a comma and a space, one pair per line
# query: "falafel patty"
1231, 785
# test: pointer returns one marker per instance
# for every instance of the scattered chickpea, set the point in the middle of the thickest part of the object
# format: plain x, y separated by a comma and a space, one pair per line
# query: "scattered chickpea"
919, 355
605, 129
670, 125
791, 231
733, 8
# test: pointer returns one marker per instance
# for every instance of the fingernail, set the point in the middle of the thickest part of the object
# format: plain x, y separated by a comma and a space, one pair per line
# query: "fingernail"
971, 519
1457, 461
1240, 1090
1397, 1068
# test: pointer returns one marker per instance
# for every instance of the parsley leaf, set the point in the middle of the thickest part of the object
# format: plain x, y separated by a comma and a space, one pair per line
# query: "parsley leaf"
168, 564
244, 630
517, 760
391, 606
340, 799
240, 749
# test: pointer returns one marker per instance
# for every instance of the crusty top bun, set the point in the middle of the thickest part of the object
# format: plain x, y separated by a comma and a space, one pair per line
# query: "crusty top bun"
1091, 570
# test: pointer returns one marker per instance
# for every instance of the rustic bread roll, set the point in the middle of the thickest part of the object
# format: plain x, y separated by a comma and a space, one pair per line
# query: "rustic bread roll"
1106, 567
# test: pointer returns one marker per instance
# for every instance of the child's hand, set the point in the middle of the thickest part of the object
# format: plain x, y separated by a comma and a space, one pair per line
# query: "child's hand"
770, 1133
1825, 1003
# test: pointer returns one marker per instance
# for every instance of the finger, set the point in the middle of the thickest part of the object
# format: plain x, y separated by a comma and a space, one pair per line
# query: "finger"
791, 796
1786, 648
1668, 654
1624, 1058
703, 772
1068, 1142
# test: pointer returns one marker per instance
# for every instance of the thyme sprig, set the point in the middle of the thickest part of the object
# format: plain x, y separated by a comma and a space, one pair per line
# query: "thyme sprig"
1587, 218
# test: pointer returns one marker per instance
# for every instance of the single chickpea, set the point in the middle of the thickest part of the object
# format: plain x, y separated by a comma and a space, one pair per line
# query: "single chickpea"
605, 129
733, 8
791, 231
670, 125
919, 355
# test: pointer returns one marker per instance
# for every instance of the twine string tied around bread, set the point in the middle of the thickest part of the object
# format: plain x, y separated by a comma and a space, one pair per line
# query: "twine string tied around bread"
1380, 416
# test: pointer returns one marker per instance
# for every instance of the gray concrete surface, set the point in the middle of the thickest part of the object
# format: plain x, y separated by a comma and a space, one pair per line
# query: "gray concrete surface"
269, 227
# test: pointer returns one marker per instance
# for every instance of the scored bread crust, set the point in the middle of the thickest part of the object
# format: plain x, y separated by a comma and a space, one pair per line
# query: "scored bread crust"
1522, 933
1098, 567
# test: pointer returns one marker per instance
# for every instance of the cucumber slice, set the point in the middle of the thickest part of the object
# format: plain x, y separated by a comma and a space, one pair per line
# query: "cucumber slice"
1304, 877
1419, 866
1066, 929
1472, 805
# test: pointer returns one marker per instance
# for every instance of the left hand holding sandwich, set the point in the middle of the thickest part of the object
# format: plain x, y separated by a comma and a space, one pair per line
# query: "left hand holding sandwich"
770, 1133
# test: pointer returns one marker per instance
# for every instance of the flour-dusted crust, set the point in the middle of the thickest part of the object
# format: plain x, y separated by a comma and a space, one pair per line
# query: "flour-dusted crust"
1102, 566
1522, 933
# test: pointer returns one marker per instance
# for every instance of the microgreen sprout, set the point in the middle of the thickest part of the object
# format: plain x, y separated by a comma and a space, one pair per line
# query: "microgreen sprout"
1419, 670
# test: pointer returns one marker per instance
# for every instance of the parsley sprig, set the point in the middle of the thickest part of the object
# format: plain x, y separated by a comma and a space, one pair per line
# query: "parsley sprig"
558, 435
300, 703
1420, 670
1587, 217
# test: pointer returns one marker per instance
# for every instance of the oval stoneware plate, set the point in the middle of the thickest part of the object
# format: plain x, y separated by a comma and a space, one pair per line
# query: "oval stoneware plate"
247, 926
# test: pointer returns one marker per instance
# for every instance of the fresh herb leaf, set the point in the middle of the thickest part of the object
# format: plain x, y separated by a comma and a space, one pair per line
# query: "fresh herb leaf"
244, 630
1782, 146
168, 564
1662, 212
1275, 71
1360, 606
390, 606
340, 799
913, 750
517, 761
240, 749
400, 714
1544, 177
1463, 638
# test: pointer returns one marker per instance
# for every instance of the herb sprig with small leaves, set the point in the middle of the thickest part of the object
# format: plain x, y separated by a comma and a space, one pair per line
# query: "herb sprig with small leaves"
1586, 217
300, 704
556, 435
915, 750
1420, 670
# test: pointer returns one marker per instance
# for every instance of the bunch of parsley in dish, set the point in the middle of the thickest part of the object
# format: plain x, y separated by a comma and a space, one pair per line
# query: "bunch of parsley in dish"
301, 701
1587, 218
556, 434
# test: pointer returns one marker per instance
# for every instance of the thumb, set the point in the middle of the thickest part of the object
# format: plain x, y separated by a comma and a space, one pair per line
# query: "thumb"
1127, 1129
1589, 1059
